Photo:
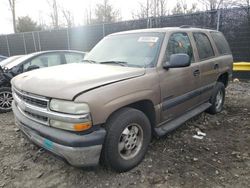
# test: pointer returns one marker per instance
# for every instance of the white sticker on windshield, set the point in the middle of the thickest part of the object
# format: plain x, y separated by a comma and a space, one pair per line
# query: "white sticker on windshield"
148, 39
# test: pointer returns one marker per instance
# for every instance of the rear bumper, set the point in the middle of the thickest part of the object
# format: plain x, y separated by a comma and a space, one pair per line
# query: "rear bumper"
78, 150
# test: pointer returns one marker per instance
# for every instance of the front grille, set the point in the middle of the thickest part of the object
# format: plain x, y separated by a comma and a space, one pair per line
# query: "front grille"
24, 99
32, 100
38, 117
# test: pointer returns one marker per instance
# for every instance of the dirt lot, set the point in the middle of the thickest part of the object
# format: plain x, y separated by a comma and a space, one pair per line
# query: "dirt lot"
220, 159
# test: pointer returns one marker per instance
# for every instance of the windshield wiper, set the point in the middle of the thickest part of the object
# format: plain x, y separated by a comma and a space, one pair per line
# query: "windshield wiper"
88, 61
122, 63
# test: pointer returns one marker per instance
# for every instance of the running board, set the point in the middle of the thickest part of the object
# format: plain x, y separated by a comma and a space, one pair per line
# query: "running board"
170, 126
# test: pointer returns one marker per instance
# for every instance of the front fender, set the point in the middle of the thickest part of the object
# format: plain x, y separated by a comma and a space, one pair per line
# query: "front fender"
108, 99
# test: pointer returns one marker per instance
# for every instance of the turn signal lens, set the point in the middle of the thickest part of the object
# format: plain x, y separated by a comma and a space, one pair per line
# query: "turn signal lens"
82, 126
71, 126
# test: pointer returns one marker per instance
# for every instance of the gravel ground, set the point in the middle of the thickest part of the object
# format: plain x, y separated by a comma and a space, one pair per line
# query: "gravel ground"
220, 159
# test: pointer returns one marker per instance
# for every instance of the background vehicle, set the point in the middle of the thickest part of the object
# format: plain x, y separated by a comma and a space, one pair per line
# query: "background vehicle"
2, 58
27, 63
133, 84
9, 60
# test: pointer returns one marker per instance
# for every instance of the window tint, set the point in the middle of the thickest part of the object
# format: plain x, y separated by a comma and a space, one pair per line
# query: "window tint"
42, 61
179, 43
73, 57
221, 43
204, 46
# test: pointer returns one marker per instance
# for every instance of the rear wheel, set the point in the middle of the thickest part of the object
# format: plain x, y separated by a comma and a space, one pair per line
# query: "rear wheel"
217, 99
5, 99
127, 139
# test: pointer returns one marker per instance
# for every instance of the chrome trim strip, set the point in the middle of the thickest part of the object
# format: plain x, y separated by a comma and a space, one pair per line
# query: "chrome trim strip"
30, 117
49, 114
31, 96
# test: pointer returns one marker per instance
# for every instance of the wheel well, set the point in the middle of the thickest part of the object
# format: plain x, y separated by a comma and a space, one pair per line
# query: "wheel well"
223, 78
147, 107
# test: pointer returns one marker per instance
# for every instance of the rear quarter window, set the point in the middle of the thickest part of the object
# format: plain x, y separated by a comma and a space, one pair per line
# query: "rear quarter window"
203, 45
221, 43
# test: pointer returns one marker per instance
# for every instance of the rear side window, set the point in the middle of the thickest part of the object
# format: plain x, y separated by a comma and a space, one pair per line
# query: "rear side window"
221, 43
204, 46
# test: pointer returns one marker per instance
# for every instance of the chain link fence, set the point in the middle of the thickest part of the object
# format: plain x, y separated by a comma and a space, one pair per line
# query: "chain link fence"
234, 23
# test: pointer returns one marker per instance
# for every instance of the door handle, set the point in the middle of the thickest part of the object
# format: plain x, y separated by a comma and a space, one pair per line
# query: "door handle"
216, 66
196, 72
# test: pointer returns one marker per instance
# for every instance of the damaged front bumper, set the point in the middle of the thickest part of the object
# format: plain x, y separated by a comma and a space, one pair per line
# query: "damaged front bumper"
78, 150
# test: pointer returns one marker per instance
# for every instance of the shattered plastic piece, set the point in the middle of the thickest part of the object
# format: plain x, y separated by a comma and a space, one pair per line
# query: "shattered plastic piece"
198, 137
199, 133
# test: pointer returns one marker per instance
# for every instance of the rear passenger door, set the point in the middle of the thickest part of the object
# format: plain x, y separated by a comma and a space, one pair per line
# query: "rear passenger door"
208, 63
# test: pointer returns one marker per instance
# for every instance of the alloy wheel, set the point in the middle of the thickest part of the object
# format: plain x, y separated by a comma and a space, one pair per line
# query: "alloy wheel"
5, 100
130, 142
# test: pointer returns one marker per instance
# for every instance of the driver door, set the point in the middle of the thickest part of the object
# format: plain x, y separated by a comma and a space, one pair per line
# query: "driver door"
179, 85
42, 61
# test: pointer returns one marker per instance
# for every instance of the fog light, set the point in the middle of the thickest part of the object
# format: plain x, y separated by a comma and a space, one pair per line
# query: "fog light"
71, 126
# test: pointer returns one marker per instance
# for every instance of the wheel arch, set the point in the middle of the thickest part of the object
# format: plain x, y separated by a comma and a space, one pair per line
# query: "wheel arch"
146, 106
224, 78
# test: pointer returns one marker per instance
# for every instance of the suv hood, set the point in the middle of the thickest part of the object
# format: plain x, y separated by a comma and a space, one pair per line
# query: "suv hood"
66, 81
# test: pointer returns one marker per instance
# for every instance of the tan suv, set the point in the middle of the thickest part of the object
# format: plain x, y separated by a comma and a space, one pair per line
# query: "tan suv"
131, 85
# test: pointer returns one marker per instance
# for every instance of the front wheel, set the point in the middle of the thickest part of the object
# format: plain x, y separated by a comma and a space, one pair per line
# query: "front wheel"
217, 99
5, 99
127, 139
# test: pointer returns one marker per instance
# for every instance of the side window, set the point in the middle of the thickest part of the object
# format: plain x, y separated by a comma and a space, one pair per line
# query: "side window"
204, 46
42, 61
179, 43
221, 43
73, 57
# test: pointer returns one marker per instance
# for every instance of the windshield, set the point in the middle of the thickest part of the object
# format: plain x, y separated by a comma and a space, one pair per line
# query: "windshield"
135, 50
9, 60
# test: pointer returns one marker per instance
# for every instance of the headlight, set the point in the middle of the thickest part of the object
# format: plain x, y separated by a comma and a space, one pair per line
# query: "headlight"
68, 107
72, 108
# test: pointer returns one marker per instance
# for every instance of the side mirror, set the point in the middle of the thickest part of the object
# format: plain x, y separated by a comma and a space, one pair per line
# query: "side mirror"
32, 67
178, 60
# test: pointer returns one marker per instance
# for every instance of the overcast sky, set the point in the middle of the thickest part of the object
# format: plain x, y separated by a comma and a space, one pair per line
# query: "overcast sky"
39, 10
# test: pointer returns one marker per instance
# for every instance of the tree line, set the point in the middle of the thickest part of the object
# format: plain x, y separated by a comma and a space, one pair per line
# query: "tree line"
104, 12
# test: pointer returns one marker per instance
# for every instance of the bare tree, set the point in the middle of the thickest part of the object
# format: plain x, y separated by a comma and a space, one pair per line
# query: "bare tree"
143, 12
241, 3
54, 15
12, 4
181, 7
163, 7
151, 8
69, 18
88, 14
212, 4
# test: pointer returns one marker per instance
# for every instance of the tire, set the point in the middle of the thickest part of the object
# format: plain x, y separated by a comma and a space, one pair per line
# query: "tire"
217, 99
121, 128
5, 99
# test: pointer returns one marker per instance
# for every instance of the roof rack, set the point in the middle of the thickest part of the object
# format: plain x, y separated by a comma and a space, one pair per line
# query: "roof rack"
185, 26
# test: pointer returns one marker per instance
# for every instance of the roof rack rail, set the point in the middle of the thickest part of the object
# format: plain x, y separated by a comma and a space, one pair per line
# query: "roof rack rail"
185, 26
